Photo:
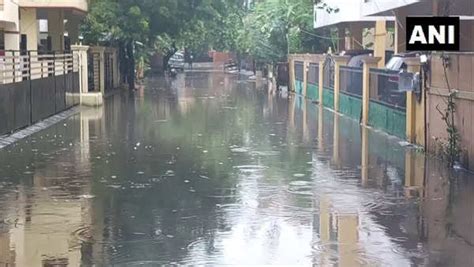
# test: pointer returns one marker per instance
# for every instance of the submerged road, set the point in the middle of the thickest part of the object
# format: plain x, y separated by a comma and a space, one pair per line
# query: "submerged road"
211, 169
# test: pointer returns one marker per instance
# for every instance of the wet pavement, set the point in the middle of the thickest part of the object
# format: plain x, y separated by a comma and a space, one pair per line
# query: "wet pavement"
210, 169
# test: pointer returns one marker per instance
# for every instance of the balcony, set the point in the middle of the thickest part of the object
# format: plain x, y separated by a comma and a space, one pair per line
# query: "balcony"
78, 5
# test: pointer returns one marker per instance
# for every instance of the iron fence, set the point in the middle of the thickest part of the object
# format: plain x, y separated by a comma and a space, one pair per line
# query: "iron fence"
108, 71
34, 86
384, 88
93, 69
313, 74
299, 70
350, 80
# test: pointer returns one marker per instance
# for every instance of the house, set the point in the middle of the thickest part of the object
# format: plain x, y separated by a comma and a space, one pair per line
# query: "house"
39, 74
416, 116
40, 25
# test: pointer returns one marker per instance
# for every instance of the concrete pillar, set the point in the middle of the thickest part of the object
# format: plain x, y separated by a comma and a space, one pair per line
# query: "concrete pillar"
80, 53
415, 111
380, 41
321, 78
56, 29
356, 36
400, 32
369, 62
339, 61
291, 69
29, 27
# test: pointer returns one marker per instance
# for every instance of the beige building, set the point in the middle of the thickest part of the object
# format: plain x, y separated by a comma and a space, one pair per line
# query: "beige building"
44, 25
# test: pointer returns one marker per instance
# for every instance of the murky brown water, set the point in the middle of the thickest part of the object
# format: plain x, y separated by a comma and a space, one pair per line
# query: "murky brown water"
212, 171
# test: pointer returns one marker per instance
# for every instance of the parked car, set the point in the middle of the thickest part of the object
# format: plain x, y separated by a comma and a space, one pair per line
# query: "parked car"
397, 62
231, 66
177, 61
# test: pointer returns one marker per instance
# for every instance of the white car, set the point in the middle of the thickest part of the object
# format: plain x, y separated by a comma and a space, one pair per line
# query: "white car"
177, 61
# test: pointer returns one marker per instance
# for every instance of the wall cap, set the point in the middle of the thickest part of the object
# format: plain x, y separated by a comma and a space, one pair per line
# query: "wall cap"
79, 47
370, 59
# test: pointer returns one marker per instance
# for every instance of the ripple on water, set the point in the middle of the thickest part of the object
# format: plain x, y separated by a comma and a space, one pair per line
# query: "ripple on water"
84, 234
300, 188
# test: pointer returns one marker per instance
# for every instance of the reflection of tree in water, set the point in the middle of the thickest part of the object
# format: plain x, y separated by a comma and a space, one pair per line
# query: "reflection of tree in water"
159, 220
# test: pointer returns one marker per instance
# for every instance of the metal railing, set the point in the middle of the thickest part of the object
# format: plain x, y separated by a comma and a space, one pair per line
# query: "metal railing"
17, 66
350, 80
313, 74
34, 86
384, 88
299, 70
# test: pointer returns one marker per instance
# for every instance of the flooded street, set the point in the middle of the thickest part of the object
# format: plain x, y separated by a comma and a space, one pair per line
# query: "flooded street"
211, 169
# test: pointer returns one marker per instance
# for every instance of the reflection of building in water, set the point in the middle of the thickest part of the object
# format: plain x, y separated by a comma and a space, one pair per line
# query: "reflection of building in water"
53, 215
446, 207
7, 254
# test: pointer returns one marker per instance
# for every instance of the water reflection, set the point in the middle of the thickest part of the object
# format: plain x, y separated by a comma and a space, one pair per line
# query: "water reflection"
211, 169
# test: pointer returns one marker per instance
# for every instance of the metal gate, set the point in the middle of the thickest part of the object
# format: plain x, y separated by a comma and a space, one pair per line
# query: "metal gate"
108, 71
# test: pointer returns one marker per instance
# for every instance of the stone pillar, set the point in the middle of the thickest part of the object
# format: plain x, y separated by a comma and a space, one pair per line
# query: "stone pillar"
56, 29
101, 66
321, 78
415, 111
339, 61
80, 53
356, 36
369, 62
380, 41
29, 27
400, 32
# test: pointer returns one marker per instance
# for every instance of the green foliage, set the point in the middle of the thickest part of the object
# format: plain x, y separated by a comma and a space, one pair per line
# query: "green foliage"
267, 30
274, 28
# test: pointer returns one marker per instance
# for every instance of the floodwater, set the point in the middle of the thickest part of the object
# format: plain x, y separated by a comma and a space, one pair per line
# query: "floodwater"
210, 169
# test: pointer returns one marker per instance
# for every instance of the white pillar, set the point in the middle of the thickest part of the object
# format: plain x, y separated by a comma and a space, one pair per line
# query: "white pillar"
80, 52
29, 27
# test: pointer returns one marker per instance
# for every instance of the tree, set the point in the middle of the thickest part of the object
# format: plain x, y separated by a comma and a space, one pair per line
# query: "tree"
274, 28
121, 23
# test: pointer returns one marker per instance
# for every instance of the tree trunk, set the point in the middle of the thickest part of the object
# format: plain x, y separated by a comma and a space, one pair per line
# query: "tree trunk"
131, 66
